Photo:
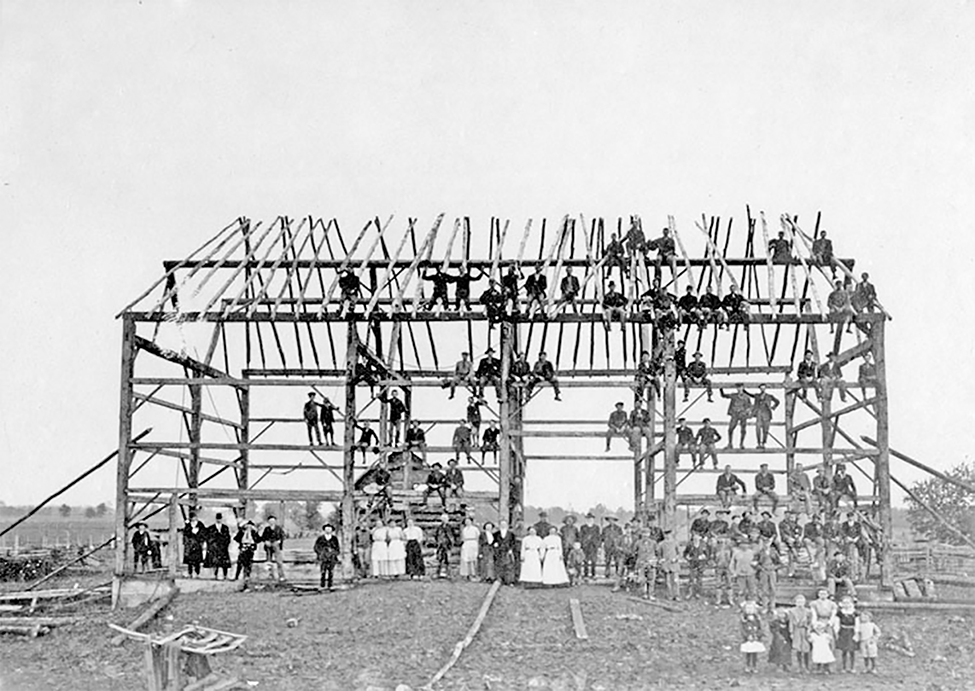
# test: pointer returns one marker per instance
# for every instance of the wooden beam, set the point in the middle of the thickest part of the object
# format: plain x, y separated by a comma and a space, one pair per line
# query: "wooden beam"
835, 414
183, 409
125, 453
348, 471
177, 358
882, 461
928, 469
509, 402
577, 621
670, 427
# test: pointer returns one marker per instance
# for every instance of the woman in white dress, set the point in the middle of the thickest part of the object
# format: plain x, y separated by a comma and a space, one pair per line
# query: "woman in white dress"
397, 550
531, 558
468, 549
379, 554
553, 566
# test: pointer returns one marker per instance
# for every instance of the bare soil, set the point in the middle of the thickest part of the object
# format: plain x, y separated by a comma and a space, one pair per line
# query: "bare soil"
381, 635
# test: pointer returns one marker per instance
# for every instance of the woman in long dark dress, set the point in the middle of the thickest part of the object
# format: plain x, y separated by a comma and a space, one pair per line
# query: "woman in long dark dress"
218, 547
486, 553
415, 568
194, 536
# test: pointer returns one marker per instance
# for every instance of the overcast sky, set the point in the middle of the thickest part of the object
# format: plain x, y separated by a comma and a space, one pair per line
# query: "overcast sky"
130, 132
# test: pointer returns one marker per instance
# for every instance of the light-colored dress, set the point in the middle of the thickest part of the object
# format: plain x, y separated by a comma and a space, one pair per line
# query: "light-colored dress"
379, 554
553, 565
531, 560
822, 647
397, 552
468, 550
823, 610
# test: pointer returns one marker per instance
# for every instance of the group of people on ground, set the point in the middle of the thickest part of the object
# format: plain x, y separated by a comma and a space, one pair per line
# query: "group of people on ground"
812, 633
208, 547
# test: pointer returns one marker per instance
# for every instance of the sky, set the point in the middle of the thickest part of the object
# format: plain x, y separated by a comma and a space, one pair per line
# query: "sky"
133, 131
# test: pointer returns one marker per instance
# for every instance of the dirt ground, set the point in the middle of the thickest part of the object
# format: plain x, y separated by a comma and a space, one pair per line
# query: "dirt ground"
381, 635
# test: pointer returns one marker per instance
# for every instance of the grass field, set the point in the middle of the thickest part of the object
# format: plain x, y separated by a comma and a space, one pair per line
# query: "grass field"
380, 635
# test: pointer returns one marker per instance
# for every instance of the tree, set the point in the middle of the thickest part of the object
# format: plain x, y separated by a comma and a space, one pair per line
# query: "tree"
101, 509
955, 504
64, 510
313, 516
90, 512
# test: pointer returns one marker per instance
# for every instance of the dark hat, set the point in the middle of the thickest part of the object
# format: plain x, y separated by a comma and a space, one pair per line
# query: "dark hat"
722, 511
272, 517
590, 515
436, 465
698, 354
652, 517
619, 403
766, 513
452, 461
141, 524
219, 516
328, 525
489, 350
705, 510
667, 531
851, 513
611, 518
543, 514
311, 394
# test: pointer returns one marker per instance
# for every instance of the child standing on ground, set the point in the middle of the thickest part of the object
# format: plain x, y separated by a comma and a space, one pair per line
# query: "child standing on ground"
847, 627
751, 633
575, 562
869, 639
780, 650
821, 646
800, 621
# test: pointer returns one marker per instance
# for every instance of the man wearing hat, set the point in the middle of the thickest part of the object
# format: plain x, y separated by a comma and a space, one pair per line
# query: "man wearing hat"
454, 479
766, 527
617, 424
812, 538
218, 547
745, 524
852, 539
589, 536
463, 374
493, 302
697, 554
544, 370
843, 486
669, 556
706, 441
697, 374
652, 529
765, 487
327, 552
739, 410
462, 441
569, 533
543, 524
141, 546
686, 442
790, 533
416, 438
612, 535
489, 373
436, 482
310, 413
762, 406
726, 486
246, 538
443, 537
351, 286
719, 527
702, 523
799, 487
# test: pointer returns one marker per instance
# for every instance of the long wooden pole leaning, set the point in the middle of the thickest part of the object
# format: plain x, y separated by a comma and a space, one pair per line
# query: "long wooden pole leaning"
348, 470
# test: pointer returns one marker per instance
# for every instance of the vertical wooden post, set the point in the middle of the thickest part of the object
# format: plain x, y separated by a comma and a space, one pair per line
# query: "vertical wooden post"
882, 460
243, 481
348, 453
790, 436
124, 454
173, 551
670, 429
649, 461
509, 400
408, 465
195, 436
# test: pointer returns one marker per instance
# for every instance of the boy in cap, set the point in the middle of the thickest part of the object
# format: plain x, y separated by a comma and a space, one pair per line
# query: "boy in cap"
443, 537
617, 424
461, 441
327, 418
489, 441
790, 534
701, 525
614, 305
246, 538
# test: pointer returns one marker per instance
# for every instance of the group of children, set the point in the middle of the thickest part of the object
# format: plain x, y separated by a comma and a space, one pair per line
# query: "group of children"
814, 633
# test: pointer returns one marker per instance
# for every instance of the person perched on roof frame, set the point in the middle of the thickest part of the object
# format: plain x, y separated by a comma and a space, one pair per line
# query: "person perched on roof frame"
493, 302
689, 309
697, 374
822, 252
735, 307
617, 425
864, 295
462, 291
351, 289
710, 306
509, 288
615, 256
781, 249
666, 251
544, 370
739, 410
440, 279
569, 287
647, 376
614, 305
488, 373
536, 286
840, 307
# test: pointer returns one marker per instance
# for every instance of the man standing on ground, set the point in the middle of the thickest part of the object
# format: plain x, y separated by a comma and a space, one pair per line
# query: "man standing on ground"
327, 553
273, 539
612, 535
590, 536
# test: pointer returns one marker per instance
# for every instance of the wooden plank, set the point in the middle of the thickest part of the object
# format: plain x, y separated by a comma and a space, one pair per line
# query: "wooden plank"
148, 615
577, 622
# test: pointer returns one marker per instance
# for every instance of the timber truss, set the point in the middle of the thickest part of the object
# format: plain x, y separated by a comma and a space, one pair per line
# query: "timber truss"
219, 353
